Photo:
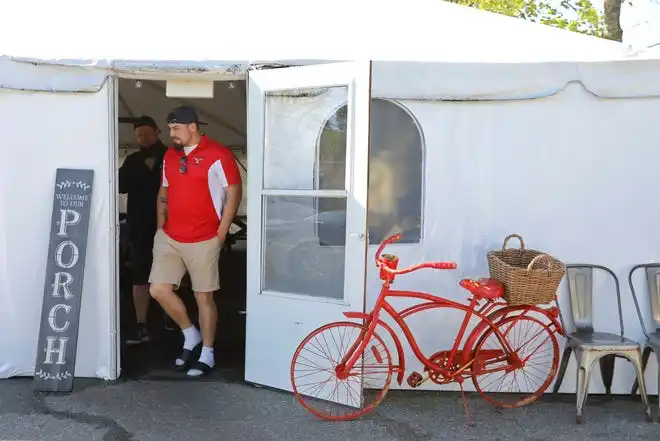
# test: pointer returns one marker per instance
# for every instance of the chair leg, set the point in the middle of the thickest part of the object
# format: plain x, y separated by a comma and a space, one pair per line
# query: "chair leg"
565, 358
585, 360
645, 360
656, 350
636, 360
607, 372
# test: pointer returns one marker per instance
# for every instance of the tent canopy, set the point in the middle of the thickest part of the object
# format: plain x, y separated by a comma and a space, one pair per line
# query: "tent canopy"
129, 34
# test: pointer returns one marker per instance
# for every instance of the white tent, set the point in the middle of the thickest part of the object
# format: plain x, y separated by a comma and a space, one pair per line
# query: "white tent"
520, 127
421, 30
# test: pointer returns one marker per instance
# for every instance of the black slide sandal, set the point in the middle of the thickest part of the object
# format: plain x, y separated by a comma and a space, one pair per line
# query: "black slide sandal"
199, 369
187, 356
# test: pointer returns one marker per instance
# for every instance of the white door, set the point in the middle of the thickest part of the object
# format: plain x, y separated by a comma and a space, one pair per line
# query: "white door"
308, 142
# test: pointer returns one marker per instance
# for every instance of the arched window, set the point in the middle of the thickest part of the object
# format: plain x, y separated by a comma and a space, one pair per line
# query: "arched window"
396, 169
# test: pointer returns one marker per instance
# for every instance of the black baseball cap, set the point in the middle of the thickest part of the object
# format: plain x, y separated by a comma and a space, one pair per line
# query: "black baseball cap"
183, 115
144, 120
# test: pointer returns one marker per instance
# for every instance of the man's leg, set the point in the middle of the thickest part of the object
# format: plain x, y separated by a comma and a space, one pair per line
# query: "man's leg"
141, 299
208, 317
202, 262
166, 273
171, 303
141, 251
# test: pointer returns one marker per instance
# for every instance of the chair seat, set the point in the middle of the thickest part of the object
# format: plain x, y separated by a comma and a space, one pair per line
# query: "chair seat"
601, 341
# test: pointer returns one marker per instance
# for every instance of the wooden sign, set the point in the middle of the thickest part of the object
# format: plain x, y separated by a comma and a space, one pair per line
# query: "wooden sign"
60, 313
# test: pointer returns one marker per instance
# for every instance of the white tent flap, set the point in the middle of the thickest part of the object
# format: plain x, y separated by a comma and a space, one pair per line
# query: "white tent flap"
50, 131
502, 81
16, 75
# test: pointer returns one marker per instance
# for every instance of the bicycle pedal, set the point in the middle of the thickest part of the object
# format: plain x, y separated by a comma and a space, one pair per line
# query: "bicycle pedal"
415, 379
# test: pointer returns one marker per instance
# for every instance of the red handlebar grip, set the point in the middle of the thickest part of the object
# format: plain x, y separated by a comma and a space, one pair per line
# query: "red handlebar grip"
444, 265
393, 238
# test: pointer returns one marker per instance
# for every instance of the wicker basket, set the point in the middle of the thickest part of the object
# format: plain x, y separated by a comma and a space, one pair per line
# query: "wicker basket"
530, 277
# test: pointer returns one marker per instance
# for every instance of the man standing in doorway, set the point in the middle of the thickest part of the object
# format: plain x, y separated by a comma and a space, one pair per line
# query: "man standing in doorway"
139, 177
199, 195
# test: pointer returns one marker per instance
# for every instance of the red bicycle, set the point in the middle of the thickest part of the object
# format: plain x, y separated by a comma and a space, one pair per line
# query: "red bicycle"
350, 363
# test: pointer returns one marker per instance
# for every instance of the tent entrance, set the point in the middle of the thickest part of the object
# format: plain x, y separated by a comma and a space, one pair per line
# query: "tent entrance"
225, 114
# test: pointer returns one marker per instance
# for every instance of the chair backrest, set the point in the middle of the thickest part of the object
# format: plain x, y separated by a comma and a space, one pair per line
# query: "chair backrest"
581, 294
653, 281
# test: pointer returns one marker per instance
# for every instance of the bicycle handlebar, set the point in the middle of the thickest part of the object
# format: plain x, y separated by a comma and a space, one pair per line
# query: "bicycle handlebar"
434, 265
386, 242
394, 238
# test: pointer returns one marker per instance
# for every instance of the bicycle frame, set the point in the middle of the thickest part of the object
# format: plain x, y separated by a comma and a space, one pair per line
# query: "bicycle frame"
373, 320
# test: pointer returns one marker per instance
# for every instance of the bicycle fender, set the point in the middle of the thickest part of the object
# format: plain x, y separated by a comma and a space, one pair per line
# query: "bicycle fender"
399, 349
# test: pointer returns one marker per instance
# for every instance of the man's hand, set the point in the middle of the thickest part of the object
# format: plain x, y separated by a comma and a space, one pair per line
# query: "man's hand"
222, 233
233, 195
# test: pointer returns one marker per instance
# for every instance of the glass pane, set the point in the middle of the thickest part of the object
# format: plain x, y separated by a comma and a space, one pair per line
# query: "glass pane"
295, 120
303, 247
395, 170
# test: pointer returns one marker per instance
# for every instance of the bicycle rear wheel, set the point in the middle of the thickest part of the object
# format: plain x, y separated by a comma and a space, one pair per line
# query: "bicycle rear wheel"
526, 373
314, 372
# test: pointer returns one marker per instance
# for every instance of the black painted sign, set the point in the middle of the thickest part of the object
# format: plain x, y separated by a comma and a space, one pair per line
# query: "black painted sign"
60, 313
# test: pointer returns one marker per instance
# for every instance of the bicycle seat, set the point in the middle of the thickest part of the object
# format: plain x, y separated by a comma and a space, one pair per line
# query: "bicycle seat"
484, 288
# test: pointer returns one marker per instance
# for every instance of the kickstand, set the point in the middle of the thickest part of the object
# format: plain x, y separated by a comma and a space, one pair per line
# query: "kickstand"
465, 404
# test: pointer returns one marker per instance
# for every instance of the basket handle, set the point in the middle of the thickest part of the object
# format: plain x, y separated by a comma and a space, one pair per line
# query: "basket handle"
511, 236
537, 259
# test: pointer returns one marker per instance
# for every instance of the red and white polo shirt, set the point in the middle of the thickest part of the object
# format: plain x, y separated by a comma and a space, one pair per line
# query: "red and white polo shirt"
196, 198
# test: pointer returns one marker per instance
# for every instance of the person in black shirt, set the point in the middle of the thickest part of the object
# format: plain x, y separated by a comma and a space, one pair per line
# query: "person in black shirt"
139, 178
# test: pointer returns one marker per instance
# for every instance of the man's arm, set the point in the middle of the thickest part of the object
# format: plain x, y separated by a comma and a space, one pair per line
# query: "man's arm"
228, 176
125, 176
161, 202
161, 207
233, 196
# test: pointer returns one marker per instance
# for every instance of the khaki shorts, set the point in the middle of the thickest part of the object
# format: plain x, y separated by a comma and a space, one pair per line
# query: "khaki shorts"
172, 259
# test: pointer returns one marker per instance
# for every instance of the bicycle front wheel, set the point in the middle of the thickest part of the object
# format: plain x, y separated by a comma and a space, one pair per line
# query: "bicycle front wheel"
526, 373
314, 378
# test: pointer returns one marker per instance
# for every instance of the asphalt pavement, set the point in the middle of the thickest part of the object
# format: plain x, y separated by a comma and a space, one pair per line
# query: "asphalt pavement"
225, 409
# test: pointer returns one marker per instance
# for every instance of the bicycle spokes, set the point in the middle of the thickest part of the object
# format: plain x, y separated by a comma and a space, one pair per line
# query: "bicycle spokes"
330, 389
501, 377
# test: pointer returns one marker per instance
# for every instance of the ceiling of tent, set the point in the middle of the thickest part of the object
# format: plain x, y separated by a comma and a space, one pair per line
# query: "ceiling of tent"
225, 113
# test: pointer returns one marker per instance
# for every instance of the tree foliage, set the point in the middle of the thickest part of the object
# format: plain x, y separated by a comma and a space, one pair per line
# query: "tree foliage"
574, 15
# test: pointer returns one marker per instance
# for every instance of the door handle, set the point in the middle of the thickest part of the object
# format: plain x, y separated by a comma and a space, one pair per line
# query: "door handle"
242, 312
357, 235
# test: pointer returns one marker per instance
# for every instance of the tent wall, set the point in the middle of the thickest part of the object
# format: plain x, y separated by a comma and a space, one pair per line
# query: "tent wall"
570, 171
43, 131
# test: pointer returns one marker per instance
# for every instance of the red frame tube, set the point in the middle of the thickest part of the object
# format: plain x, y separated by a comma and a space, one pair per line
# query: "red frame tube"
431, 302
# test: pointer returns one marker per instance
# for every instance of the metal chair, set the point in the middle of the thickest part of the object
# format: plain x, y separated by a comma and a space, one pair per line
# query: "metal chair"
652, 338
591, 346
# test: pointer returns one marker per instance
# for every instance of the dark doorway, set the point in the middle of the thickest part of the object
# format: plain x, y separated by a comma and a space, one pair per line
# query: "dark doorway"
154, 360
